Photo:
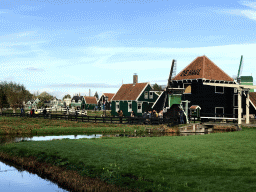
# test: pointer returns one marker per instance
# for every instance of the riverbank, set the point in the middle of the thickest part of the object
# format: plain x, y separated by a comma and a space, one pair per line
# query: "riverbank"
213, 162
38, 126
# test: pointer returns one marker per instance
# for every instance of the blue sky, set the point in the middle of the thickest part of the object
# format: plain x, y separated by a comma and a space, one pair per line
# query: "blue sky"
68, 46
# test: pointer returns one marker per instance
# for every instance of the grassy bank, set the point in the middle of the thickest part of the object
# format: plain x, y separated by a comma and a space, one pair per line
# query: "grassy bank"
214, 162
38, 126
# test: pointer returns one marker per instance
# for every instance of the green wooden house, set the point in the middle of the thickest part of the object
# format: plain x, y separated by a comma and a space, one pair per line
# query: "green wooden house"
89, 102
76, 101
137, 97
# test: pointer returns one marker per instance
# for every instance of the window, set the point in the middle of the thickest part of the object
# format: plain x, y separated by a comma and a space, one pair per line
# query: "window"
235, 90
117, 106
129, 106
146, 95
219, 89
235, 100
187, 87
150, 95
139, 108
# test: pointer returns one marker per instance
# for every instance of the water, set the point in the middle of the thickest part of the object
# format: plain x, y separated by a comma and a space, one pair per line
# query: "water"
14, 179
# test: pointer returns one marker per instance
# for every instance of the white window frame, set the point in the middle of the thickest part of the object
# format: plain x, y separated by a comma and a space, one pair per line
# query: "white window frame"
219, 108
146, 95
219, 92
184, 87
235, 100
117, 104
151, 94
129, 103
235, 90
139, 110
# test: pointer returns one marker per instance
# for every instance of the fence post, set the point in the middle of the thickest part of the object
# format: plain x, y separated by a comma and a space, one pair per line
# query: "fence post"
95, 119
111, 119
82, 118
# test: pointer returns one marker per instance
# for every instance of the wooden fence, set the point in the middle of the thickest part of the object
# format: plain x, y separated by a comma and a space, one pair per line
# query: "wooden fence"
97, 119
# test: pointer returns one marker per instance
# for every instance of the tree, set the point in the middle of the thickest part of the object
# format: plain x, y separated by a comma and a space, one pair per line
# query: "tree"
96, 95
66, 96
158, 88
44, 96
16, 94
3, 96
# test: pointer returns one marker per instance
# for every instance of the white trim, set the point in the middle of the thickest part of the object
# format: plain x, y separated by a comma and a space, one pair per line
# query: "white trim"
221, 108
219, 92
142, 91
139, 103
146, 96
157, 99
129, 109
117, 103
149, 96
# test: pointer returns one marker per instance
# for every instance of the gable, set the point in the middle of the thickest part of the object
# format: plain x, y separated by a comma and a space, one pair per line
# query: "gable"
90, 100
203, 68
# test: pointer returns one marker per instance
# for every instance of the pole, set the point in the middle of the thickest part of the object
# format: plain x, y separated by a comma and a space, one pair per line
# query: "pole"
239, 106
247, 108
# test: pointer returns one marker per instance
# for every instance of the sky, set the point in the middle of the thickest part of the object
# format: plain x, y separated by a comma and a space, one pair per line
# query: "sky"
70, 46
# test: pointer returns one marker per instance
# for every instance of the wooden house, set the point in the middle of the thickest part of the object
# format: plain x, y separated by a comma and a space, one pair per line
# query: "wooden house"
213, 100
105, 100
76, 101
137, 97
89, 102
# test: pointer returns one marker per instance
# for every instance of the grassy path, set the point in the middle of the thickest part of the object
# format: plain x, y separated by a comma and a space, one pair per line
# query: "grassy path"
214, 162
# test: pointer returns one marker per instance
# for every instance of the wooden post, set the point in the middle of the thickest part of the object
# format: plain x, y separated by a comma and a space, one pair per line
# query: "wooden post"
247, 108
239, 105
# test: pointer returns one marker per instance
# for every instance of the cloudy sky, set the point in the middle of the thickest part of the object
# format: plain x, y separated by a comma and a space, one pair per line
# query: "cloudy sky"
71, 46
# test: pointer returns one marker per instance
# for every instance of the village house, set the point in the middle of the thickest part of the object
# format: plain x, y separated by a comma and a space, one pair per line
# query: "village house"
212, 100
137, 97
32, 103
89, 102
76, 101
105, 100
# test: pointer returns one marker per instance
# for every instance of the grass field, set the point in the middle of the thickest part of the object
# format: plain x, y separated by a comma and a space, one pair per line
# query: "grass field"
39, 126
214, 162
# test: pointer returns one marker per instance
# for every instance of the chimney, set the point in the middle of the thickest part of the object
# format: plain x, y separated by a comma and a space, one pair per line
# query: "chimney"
89, 92
135, 78
79, 94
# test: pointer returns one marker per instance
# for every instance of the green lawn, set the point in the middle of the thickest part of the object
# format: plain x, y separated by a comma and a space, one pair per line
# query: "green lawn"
213, 162
40, 126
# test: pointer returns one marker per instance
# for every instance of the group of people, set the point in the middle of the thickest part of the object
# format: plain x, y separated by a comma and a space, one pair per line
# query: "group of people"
153, 114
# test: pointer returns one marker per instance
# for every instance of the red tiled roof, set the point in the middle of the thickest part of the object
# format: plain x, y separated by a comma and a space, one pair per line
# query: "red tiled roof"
203, 67
109, 95
252, 96
90, 100
128, 92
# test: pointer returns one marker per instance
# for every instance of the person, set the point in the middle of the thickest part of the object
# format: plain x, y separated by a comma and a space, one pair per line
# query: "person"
181, 116
132, 114
150, 114
121, 114
33, 112
21, 111
161, 114
144, 115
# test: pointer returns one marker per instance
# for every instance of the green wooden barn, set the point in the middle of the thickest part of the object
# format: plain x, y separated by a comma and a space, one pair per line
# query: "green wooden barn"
137, 97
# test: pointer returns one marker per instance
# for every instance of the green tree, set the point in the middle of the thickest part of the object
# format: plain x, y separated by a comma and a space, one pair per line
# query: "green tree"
44, 96
66, 96
158, 88
3, 96
96, 95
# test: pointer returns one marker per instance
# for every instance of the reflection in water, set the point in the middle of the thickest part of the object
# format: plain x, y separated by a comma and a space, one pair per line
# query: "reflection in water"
15, 179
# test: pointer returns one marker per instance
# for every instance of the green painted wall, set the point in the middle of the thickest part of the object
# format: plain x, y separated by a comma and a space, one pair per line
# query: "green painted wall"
142, 98
174, 99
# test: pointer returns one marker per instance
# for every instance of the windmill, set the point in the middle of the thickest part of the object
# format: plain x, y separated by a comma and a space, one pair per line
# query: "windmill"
169, 82
238, 77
